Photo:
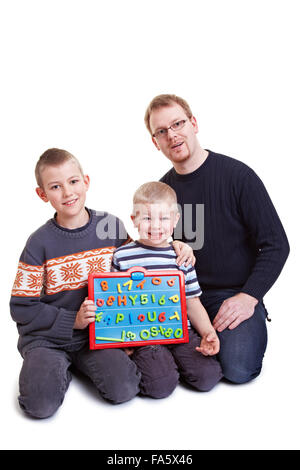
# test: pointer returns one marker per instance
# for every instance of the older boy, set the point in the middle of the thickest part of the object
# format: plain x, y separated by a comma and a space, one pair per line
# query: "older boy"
155, 215
48, 298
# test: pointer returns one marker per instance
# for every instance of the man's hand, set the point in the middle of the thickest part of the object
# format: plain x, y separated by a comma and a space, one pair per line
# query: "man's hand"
210, 344
184, 252
85, 315
234, 311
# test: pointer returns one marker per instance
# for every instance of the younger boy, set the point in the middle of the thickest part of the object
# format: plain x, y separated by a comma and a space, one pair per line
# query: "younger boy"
155, 215
49, 294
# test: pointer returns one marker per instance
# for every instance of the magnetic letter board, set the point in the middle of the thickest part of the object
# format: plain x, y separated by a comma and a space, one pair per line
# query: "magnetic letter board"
137, 308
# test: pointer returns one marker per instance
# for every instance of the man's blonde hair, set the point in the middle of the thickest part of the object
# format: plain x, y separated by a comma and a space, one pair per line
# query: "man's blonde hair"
154, 192
53, 157
162, 101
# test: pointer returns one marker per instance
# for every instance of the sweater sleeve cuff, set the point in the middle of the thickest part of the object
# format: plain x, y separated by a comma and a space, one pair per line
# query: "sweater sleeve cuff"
65, 324
257, 291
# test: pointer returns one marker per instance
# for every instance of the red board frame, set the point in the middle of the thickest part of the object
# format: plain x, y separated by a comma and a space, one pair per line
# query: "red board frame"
147, 273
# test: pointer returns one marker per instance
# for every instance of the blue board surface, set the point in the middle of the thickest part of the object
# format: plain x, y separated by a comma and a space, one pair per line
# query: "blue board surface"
138, 307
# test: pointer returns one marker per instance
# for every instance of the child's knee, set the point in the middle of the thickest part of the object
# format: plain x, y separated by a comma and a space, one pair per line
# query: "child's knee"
122, 383
160, 387
44, 380
42, 399
120, 391
41, 408
159, 371
204, 378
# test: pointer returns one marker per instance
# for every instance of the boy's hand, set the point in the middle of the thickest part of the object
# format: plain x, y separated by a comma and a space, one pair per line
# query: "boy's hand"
210, 344
85, 315
184, 252
129, 351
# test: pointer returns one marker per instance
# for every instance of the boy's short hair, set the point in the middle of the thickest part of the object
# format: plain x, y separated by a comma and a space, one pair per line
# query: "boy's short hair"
161, 101
153, 192
53, 157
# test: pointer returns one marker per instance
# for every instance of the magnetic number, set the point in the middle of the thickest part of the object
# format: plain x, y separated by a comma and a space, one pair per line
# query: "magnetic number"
104, 285
154, 331
141, 284
162, 317
98, 316
144, 299
178, 333
168, 332
144, 334
129, 284
110, 300
131, 335
100, 302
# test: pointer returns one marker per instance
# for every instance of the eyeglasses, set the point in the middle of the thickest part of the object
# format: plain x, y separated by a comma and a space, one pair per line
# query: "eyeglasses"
161, 133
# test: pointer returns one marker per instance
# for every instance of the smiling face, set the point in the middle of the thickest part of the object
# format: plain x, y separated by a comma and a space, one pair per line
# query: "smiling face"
65, 188
180, 145
155, 222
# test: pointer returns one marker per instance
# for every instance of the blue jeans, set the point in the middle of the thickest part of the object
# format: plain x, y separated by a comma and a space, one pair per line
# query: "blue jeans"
241, 349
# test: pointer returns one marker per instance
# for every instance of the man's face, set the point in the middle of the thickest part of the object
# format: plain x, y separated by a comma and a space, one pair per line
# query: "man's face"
176, 145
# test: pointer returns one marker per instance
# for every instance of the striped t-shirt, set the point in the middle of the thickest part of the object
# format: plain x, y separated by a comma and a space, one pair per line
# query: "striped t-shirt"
137, 254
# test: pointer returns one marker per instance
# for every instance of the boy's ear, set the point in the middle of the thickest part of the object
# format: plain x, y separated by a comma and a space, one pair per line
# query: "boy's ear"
177, 217
133, 219
86, 180
155, 143
40, 192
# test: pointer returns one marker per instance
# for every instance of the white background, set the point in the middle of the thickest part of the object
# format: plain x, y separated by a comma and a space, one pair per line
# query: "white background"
78, 75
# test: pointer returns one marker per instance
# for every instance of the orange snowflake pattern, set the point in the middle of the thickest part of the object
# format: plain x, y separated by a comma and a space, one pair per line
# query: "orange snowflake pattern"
50, 277
96, 265
35, 281
19, 279
71, 272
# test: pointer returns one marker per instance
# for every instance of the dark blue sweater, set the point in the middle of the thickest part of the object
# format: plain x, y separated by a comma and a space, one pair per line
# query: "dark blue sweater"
52, 276
245, 245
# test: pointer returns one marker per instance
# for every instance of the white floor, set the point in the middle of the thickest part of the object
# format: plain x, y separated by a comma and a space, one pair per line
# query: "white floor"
263, 414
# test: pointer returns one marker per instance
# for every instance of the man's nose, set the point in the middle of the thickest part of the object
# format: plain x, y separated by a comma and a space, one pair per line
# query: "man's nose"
171, 133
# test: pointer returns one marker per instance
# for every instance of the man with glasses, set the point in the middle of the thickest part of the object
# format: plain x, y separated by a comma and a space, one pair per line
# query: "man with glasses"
243, 246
